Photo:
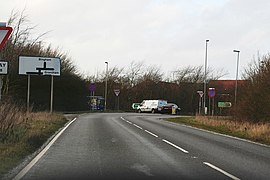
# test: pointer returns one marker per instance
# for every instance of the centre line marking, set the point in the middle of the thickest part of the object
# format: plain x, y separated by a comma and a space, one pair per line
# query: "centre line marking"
129, 122
137, 126
151, 133
123, 118
177, 147
221, 171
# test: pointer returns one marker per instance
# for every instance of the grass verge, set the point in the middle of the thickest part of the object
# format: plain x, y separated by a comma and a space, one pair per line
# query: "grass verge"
257, 132
27, 137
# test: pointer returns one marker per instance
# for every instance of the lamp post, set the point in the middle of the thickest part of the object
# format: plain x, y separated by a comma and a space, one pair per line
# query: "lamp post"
205, 73
106, 86
236, 78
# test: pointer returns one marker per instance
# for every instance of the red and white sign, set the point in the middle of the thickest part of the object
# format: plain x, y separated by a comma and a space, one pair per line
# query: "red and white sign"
212, 92
117, 92
200, 93
4, 35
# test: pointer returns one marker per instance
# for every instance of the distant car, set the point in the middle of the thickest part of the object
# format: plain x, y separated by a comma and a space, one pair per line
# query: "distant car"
170, 108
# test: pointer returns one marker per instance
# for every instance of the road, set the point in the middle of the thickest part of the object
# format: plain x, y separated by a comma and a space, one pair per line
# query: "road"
143, 146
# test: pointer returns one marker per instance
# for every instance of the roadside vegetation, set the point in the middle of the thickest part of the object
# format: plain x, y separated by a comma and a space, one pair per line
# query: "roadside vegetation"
257, 132
23, 133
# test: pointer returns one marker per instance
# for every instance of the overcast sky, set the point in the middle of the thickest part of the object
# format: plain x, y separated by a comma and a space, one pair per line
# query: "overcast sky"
166, 33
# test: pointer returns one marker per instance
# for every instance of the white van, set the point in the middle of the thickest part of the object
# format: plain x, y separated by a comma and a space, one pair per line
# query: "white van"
151, 106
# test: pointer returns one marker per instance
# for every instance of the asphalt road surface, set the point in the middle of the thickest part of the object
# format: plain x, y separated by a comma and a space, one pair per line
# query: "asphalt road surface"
143, 146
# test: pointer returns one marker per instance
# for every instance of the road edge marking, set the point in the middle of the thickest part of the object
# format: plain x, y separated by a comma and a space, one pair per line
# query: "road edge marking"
216, 133
221, 171
177, 147
22, 173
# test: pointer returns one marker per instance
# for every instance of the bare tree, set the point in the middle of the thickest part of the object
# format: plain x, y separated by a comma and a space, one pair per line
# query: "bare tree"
195, 74
254, 101
153, 73
134, 72
20, 42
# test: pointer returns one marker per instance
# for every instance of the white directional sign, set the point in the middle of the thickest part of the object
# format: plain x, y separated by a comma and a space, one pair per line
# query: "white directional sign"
39, 66
3, 67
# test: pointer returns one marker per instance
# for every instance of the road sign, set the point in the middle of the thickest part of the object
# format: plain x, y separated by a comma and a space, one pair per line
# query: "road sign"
200, 93
3, 67
39, 66
92, 87
224, 104
211, 92
117, 92
4, 35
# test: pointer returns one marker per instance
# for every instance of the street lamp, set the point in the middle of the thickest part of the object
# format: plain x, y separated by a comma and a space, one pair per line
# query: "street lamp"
106, 86
205, 72
237, 64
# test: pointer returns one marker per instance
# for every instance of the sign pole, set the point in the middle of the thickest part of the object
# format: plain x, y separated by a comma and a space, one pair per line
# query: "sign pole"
199, 106
213, 106
51, 108
1, 84
28, 92
118, 103
209, 105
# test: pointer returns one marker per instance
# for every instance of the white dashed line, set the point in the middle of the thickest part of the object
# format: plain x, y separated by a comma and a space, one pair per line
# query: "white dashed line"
137, 126
126, 120
220, 170
151, 133
177, 147
129, 122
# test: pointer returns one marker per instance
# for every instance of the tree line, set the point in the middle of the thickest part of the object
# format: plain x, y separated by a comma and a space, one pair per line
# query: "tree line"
136, 82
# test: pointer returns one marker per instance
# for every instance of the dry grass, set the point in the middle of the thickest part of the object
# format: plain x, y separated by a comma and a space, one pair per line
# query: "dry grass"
255, 131
258, 132
22, 133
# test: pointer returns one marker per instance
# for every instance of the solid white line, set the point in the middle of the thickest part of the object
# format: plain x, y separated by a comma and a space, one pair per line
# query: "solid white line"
216, 133
177, 147
35, 160
151, 133
137, 126
220, 170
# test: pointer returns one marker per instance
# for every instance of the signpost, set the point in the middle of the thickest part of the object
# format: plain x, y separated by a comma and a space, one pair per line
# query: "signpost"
92, 87
39, 66
224, 104
5, 32
117, 92
212, 93
200, 100
3, 67
3, 71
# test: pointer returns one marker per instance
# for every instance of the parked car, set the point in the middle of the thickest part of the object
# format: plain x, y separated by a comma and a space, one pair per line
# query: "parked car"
170, 108
152, 106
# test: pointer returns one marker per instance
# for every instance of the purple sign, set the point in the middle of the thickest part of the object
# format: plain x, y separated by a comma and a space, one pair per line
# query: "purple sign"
92, 87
